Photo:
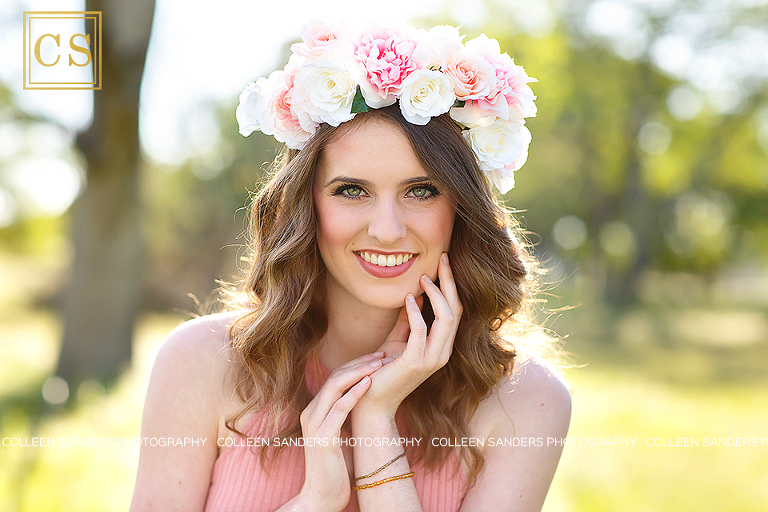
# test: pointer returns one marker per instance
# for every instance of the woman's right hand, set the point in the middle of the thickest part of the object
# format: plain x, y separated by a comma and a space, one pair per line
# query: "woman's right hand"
327, 473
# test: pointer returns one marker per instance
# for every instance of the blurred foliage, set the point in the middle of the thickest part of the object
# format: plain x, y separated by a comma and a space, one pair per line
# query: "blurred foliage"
196, 216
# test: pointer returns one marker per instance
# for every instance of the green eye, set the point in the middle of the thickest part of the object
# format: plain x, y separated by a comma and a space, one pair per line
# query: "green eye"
420, 191
353, 191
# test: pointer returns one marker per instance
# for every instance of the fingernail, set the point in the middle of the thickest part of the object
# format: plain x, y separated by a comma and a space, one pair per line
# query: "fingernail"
445, 258
387, 360
410, 298
426, 277
376, 363
379, 353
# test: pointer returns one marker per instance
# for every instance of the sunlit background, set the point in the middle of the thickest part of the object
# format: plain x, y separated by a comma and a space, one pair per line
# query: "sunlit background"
645, 194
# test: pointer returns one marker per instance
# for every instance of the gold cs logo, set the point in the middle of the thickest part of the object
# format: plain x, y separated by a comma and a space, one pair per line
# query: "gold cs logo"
85, 50
45, 42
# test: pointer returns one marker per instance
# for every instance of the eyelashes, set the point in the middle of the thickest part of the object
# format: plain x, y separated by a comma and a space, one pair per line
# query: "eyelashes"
421, 192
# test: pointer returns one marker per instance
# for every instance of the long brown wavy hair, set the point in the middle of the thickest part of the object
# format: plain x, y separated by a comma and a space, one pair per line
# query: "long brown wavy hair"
284, 315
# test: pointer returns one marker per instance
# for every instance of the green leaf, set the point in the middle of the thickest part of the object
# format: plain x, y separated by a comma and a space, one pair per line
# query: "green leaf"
358, 103
459, 103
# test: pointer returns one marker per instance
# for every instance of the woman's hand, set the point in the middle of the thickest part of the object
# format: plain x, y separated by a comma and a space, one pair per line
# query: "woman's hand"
416, 356
327, 470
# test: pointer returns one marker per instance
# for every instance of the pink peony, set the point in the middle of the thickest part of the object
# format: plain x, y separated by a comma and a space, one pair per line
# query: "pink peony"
386, 58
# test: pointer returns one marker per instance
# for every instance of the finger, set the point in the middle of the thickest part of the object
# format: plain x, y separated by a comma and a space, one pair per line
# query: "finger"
367, 358
448, 286
401, 329
337, 384
338, 413
442, 331
451, 294
417, 340
362, 359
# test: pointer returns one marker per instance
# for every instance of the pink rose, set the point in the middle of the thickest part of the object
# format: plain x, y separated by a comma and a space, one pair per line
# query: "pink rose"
287, 123
510, 98
512, 82
386, 58
472, 77
318, 37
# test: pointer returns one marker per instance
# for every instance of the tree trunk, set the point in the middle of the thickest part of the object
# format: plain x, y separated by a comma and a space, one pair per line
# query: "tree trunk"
102, 299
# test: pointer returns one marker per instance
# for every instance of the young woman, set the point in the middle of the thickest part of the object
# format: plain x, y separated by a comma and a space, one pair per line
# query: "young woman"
365, 367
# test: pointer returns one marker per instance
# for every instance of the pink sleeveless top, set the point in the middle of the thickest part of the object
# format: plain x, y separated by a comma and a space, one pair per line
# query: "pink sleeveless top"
240, 484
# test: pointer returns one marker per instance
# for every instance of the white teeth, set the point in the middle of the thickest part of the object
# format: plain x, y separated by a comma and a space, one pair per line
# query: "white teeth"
384, 260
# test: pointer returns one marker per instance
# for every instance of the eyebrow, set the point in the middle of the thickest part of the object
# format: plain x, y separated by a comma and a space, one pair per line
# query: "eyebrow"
366, 183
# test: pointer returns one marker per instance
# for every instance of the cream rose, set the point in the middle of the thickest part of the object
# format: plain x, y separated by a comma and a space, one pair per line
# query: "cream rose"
326, 92
424, 95
501, 148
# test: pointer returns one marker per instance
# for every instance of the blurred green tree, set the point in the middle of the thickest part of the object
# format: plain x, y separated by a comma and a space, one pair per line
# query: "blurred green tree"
103, 296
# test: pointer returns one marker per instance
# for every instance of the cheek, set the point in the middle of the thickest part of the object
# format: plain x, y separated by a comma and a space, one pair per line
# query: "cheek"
335, 225
442, 227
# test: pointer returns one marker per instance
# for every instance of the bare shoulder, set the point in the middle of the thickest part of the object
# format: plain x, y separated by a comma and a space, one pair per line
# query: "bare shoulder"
204, 335
523, 422
536, 383
186, 397
199, 349
535, 393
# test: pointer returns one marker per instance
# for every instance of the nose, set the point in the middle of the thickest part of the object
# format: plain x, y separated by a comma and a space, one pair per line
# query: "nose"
386, 222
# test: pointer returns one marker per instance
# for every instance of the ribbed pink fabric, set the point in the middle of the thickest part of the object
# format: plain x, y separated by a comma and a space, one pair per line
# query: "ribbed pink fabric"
240, 484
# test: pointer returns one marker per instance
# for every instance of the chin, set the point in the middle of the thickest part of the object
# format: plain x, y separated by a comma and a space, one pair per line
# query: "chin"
388, 299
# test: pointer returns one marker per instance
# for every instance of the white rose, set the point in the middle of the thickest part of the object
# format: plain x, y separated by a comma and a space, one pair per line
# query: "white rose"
254, 102
424, 95
501, 148
326, 92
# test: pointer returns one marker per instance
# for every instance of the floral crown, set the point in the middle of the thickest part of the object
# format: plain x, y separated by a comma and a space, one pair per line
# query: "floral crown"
339, 71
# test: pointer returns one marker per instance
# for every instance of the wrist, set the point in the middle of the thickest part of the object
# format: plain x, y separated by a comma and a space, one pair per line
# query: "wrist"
307, 501
373, 422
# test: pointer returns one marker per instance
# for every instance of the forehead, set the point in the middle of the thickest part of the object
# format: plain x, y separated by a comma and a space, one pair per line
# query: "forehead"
374, 150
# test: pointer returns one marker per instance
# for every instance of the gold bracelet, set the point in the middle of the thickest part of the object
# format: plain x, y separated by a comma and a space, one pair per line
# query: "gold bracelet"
382, 467
379, 482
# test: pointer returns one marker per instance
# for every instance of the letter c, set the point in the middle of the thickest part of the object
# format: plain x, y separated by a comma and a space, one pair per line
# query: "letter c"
37, 49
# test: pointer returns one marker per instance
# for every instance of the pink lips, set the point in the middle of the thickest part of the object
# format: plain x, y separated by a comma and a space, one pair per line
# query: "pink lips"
385, 272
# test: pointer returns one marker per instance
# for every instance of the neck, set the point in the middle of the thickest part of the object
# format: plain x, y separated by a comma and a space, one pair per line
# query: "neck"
354, 329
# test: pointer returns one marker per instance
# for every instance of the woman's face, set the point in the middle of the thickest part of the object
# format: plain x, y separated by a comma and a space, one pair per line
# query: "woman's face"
382, 222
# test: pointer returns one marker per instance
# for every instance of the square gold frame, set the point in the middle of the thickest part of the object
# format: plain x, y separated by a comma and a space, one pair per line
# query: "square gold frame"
85, 15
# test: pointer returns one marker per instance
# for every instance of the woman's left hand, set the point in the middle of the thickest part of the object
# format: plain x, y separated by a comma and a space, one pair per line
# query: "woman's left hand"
417, 356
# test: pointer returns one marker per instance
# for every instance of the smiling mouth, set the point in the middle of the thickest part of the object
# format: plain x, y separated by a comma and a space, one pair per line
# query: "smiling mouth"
385, 260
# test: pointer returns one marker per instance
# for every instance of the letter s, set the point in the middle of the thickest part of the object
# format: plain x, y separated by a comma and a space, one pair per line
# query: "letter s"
37, 49
85, 50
